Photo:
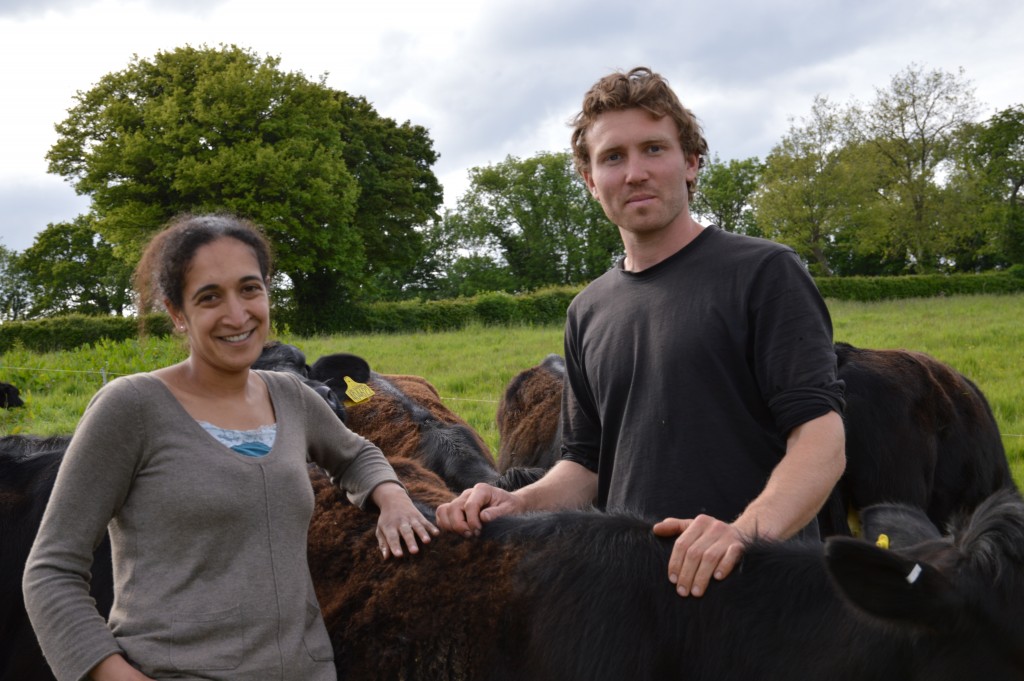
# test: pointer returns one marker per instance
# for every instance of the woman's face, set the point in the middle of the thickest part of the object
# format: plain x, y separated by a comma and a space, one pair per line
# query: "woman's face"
225, 306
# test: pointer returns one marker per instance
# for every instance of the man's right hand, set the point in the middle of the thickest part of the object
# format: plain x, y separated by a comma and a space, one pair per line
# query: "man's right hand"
480, 504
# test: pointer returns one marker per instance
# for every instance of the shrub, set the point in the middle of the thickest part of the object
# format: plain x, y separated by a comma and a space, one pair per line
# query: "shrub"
867, 289
72, 331
497, 308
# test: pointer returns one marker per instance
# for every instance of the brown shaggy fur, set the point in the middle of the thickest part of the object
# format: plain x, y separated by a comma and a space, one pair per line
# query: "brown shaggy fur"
406, 418
385, 420
529, 423
385, 617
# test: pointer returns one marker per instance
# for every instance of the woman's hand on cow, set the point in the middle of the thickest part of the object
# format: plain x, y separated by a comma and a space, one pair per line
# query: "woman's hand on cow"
482, 503
400, 521
705, 547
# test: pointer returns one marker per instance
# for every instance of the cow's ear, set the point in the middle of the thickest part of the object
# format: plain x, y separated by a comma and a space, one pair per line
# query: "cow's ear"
332, 369
903, 525
889, 586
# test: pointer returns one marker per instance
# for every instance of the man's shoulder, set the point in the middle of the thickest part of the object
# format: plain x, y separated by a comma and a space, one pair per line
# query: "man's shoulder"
598, 289
744, 245
607, 278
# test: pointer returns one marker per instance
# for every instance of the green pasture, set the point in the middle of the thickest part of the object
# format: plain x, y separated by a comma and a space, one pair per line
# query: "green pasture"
980, 336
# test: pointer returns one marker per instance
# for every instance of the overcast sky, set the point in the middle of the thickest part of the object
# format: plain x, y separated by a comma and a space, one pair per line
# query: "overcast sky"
490, 78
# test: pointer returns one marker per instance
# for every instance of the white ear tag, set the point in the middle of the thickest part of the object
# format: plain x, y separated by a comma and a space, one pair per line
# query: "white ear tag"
914, 574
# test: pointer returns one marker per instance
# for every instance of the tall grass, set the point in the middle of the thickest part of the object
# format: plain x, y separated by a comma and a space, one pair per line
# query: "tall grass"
981, 336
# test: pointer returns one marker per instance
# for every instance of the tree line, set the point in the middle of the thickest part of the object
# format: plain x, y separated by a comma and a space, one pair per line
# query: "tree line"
912, 182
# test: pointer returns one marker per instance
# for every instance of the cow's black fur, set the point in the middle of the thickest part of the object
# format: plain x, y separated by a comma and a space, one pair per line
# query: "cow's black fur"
28, 469
594, 603
917, 432
283, 357
902, 525
9, 396
331, 369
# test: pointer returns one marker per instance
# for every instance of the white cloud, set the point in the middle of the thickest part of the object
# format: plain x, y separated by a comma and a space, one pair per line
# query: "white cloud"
29, 206
502, 77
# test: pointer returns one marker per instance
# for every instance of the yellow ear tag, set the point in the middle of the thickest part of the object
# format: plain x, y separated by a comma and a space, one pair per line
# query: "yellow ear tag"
853, 521
357, 392
883, 541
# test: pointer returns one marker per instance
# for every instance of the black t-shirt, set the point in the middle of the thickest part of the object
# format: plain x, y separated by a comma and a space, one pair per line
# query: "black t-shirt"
684, 380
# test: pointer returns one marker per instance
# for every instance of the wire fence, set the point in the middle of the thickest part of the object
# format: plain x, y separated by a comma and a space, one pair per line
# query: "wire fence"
103, 373
107, 375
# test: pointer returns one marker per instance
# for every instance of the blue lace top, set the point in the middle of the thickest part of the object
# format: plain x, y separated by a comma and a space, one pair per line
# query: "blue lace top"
248, 442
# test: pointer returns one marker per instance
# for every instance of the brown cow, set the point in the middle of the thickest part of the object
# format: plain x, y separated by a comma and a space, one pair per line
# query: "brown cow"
528, 417
406, 418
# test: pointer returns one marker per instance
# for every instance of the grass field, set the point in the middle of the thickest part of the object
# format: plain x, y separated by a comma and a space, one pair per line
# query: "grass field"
980, 336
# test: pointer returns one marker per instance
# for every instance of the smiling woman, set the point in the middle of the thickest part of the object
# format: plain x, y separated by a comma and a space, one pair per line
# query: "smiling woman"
199, 471
214, 287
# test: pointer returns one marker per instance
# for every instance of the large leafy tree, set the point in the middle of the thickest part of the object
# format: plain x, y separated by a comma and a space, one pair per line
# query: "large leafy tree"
724, 192
399, 193
990, 178
817, 190
71, 268
201, 129
912, 126
535, 218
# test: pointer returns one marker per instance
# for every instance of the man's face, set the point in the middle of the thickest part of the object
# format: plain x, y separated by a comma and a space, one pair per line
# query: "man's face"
638, 170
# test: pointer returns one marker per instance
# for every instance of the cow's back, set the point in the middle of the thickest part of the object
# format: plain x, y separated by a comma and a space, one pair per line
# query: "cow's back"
919, 433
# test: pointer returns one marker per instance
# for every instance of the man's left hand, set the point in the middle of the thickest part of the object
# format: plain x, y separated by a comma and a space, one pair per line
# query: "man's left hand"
705, 547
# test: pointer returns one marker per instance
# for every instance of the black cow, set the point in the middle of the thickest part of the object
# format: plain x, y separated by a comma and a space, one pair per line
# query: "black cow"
573, 596
781, 616
28, 468
896, 526
917, 432
9, 396
283, 357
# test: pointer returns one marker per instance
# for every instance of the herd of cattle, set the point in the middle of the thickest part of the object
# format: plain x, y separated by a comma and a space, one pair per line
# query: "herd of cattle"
583, 595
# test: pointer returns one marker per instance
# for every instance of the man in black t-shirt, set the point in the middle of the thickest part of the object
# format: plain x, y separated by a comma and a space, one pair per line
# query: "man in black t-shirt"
701, 382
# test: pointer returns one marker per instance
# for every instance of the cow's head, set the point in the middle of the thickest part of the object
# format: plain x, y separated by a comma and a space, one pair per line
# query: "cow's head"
902, 525
332, 370
278, 356
964, 592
